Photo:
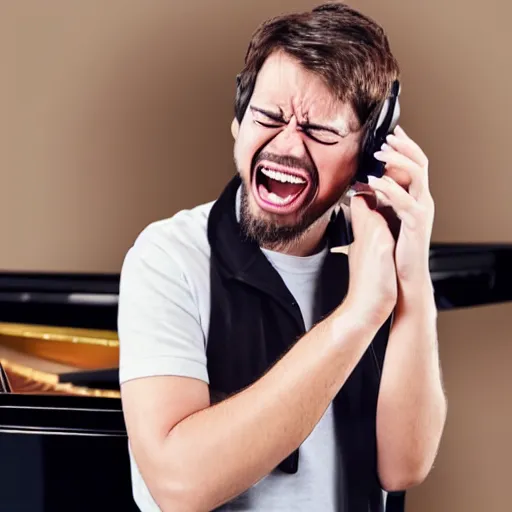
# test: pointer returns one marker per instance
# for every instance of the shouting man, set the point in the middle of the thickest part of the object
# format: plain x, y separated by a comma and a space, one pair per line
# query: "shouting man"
259, 369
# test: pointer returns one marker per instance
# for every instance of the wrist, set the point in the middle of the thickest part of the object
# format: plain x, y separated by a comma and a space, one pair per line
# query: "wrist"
419, 290
417, 300
352, 319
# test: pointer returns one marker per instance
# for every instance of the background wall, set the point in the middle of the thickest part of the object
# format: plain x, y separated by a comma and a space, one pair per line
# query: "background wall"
117, 114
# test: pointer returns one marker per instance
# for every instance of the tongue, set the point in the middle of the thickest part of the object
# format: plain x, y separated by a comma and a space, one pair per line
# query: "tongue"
283, 189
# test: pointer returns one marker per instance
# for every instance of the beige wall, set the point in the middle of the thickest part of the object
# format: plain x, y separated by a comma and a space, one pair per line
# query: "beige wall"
115, 114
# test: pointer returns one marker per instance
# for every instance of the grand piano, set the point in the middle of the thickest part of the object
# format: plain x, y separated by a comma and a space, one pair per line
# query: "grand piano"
63, 443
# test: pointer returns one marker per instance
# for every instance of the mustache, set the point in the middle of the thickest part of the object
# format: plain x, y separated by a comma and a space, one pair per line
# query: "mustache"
290, 161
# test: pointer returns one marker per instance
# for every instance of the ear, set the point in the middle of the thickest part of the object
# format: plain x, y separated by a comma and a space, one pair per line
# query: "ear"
235, 127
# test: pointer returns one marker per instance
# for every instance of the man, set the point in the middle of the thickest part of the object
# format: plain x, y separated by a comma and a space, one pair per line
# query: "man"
259, 370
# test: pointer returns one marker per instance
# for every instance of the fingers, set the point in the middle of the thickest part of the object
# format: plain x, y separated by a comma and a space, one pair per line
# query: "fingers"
405, 162
358, 211
402, 143
363, 210
399, 161
412, 213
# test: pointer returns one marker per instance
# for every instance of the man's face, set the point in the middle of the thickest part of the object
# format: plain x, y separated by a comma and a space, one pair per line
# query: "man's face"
296, 151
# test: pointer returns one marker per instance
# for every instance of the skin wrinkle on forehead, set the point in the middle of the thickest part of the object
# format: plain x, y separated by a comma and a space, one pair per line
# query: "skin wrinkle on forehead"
321, 109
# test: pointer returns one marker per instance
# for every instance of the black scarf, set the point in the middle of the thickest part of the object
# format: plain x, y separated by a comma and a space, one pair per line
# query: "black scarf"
255, 319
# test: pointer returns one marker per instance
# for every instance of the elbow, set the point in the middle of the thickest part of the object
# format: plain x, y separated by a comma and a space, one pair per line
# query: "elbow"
174, 492
401, 483
402, 480
175, 480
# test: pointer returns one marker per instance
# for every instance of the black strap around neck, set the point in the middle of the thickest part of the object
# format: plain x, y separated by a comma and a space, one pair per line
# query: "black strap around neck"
254, 320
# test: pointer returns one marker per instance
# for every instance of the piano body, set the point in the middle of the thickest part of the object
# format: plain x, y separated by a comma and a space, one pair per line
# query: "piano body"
63, 443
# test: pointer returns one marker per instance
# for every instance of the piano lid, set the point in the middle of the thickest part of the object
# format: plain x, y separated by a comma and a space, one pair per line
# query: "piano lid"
467, 275
68, 300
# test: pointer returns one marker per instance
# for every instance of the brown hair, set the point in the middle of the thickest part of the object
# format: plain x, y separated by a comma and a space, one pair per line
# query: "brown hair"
348, 50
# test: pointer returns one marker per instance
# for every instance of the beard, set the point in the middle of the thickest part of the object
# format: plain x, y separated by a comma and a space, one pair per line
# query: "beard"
270, 230
270, 233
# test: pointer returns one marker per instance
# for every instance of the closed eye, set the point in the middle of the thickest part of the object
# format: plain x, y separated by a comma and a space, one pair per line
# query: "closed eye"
322, 136
266, 118
268, 125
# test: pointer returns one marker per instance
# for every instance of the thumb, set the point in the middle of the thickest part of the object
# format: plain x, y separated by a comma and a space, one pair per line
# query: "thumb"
361, 206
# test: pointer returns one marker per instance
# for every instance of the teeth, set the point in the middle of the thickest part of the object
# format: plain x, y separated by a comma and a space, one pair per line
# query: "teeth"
279, 200
282, 177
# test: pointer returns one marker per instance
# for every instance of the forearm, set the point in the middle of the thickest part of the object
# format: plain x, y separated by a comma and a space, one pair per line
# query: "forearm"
219, 452
412, 407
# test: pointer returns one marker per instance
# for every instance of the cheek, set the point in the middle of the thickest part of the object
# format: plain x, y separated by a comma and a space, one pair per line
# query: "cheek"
248, 142
335, 174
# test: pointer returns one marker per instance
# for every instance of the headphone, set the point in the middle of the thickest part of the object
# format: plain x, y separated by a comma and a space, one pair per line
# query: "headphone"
376, 135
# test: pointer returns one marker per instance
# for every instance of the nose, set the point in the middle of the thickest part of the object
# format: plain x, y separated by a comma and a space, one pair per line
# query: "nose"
289, 141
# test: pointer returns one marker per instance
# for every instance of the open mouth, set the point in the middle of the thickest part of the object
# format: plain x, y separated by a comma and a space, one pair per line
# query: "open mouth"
280, 190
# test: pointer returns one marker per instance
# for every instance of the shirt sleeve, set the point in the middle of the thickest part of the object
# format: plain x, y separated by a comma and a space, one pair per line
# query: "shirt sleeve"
158, 321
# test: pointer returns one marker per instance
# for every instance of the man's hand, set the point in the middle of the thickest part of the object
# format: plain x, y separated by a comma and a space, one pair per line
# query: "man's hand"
411, 409
405, 188
373, 283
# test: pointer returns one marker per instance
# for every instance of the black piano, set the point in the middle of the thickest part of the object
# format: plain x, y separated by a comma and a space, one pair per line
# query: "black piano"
63, 443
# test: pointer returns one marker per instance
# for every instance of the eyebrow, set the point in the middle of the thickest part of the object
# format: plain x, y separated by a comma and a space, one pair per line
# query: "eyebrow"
271, 115
279, 117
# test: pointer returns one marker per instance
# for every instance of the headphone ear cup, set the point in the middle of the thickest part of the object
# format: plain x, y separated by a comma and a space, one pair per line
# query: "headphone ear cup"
364, 155
383, 123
